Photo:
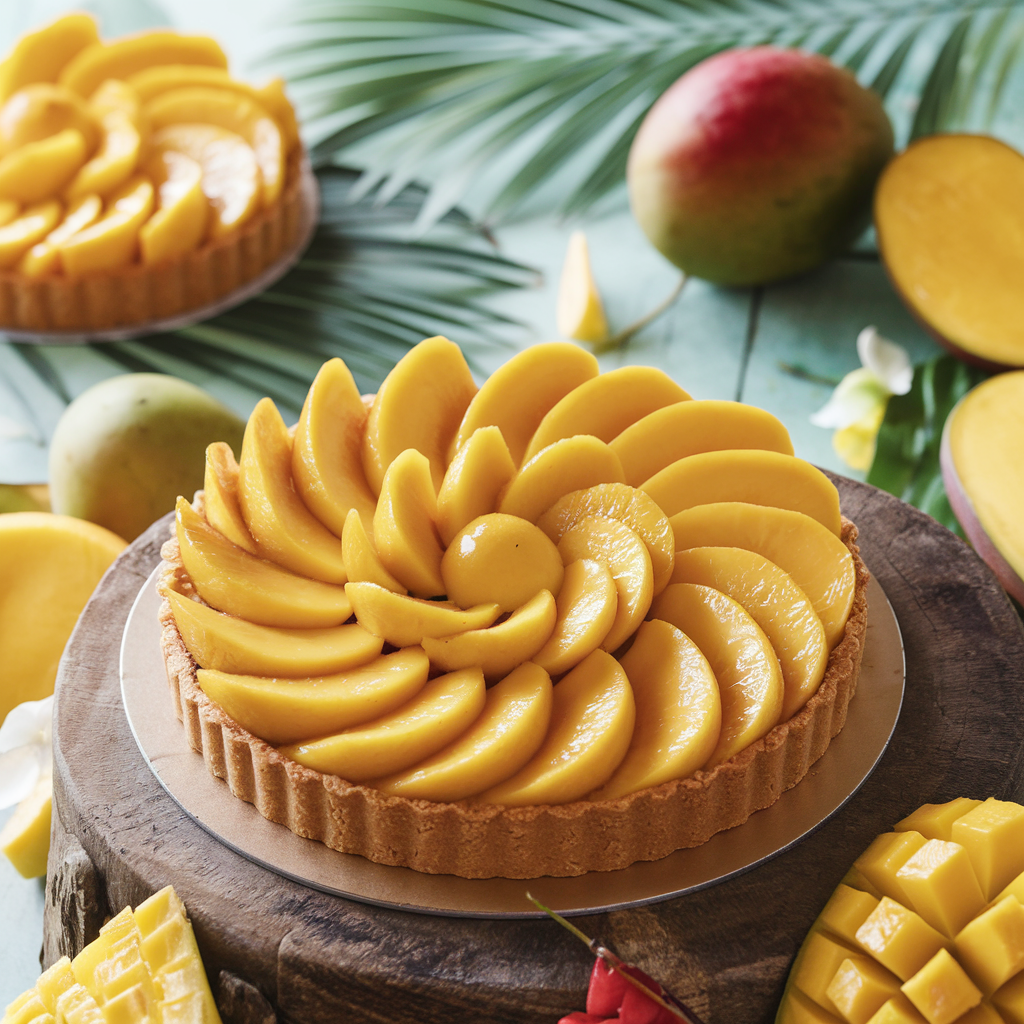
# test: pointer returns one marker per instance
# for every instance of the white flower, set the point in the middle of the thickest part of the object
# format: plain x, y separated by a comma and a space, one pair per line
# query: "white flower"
26, 749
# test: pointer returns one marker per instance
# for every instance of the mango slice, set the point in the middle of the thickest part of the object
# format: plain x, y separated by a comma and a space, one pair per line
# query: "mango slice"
752, 476
362, 563
115, 162
25, 837
630, 506
34, 224
402, 620
500, 559
585, 613
233, 581
747, 670
220, 497
39, 170
606, 405
775, 603
818, 561
691, 428
286, 531
113, 240
505, 737
179, 224
592, 718
120, 99
327, 464
9, 209
617, 547
443, 710
579, 312
498, 649
229, 644
519, 394
40, 56
123, 57
476, 477
44, 258
678, 711
419, 405
41, 110
293, 710
571, 464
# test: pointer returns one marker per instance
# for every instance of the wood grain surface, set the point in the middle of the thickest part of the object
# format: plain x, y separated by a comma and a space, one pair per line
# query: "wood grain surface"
725, 950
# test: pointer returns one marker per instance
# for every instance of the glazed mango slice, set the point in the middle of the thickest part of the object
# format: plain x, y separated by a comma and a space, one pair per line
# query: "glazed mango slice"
113, 240
38, 111
179, 224
20, 234
220, 497
44, 257
115, 162
362, 563
40, 56
39, 170
477, 476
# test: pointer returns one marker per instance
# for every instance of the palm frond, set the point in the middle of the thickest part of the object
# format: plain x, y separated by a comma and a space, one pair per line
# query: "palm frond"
540, 98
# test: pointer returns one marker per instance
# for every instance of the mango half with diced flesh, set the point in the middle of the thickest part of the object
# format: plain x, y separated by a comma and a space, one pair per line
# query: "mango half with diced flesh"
629, 635
926, 928
84, 121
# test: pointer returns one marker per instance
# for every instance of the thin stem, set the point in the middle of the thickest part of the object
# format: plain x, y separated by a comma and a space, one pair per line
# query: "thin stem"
621, 337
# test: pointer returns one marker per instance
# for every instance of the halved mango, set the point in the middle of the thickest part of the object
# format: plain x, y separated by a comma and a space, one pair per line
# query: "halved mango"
592, 717
115, 162
689, 428
40, 56
747, 670
34, 224
571, 464
231, 580
757, 477
508, 732
39, 170
292, 710
180, 222
286, 531
229, 644
442, 711
678, 711
41, 110
419, 405
44, 258
113, 240
362, 563
220, 496
606, 405
518, 395
405, 620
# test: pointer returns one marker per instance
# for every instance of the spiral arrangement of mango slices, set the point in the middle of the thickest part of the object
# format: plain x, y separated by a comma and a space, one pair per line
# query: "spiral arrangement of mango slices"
564, 584
133, 149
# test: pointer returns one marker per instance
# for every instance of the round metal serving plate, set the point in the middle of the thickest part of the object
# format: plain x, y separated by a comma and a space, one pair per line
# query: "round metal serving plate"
309, 212
832, 780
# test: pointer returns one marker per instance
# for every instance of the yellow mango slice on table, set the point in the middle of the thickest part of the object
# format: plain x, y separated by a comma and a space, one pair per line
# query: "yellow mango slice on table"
327, 462
419, 405
500, 559
585, 612
752, 476
478, 474
235, 112
940, 885
229, 644
860, 987
403, 621
442, 711
40, 56
285, 530
592, 717
691, 428
233, 581
993, 836
121, 58
991, 947
630, 506
220, 496
606, 405
615, 546
941, 990
747, 670
776, 604
180, 222
39, 111
231, 176
404, 530
39, 170
899, 939
571, 464
678, 711
113, 240
47, 562
519, 394
818, 561
935, 821
292, 710
25, 837
113, 164
44, 257
497, 650
508, 732
34, 224
579, 312
362, 563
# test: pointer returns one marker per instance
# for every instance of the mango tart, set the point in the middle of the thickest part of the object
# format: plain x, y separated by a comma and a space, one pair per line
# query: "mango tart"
564, 622
138, 179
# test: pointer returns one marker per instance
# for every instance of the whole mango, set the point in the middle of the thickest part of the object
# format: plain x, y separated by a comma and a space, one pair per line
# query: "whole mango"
758, 164
126, 448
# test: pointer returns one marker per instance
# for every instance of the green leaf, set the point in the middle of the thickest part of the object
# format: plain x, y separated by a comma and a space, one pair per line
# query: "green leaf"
906, 459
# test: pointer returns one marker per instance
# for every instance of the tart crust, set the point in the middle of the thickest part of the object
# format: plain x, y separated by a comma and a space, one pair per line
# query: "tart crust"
140, 294
488, 841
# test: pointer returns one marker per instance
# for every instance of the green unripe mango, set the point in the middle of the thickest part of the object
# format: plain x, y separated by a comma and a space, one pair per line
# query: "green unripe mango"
126, 448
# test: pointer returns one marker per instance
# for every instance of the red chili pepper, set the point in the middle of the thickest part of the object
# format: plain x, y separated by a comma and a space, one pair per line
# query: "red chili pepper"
612, 1000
